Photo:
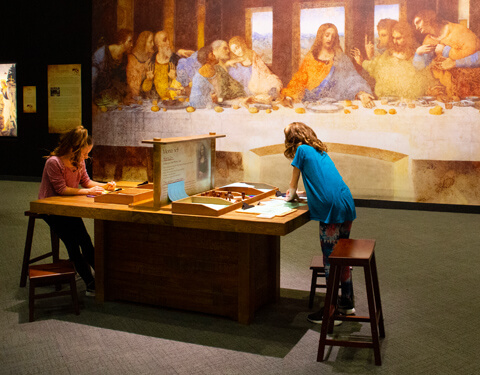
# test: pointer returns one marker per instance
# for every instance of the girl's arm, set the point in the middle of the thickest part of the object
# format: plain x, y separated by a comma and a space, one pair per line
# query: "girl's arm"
292, 188
90, 190
108, 186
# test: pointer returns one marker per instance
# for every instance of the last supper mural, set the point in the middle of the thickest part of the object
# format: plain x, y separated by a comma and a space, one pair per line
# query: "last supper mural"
392, 87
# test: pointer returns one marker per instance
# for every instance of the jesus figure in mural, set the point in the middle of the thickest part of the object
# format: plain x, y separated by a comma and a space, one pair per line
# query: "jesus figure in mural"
326, 72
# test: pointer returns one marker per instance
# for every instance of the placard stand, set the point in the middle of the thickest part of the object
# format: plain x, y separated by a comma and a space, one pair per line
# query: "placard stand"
173, 159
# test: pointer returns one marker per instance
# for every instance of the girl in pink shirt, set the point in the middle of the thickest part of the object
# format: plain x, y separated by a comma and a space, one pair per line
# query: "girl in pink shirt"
65, 174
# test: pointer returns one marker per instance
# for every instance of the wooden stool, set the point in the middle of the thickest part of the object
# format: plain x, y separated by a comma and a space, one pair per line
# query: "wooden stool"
49, 274
318, 270
345, 254
54, 240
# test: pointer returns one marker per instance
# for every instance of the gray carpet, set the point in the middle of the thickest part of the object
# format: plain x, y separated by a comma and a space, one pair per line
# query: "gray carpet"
427, 264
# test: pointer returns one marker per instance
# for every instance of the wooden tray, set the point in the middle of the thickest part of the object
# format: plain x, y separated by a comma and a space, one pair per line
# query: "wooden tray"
198, 204
125, 196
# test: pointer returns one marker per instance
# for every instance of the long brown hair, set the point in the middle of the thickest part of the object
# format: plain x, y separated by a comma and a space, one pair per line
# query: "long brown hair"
239, 41
318, 43
73, 141
404, 29
139, 50
297, 134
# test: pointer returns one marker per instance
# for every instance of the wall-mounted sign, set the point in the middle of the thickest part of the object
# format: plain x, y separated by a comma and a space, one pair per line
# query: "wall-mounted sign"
64, 97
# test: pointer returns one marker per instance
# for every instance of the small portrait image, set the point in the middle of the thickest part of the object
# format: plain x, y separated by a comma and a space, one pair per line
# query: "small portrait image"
54, 91
202, 162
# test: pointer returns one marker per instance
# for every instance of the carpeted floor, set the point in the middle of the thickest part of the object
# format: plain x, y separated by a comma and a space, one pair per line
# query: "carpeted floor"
427, 264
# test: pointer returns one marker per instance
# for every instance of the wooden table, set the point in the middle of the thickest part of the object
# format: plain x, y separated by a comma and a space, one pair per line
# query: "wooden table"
227, 265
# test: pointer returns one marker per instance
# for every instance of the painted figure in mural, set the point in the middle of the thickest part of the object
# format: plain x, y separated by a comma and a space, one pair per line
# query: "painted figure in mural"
187, 67
227, 87
260, 84
139, 62
203, 91
384, 29
326, 72
393, 70
109, 65
452, 52
212, 83
163, 75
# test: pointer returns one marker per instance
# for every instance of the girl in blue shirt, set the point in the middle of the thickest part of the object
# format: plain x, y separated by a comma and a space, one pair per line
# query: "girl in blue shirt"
329, 200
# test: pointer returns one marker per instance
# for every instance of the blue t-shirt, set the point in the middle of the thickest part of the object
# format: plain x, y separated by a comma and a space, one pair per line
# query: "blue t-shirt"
329, 198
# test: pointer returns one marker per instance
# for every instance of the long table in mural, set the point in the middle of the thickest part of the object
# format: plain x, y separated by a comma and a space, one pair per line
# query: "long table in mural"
226, 265
411, 155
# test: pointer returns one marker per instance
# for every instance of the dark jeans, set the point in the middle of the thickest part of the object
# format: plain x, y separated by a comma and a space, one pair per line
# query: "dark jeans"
74, 235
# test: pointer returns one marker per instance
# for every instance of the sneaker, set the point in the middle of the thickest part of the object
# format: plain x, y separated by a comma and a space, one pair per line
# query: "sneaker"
346, 311
345, 307
90, 292
317, 318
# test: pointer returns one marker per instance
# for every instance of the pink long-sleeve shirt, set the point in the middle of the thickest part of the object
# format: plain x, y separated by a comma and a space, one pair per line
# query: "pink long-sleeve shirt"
57, 177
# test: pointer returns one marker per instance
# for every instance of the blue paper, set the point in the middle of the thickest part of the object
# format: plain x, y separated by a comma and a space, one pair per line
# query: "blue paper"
176, 191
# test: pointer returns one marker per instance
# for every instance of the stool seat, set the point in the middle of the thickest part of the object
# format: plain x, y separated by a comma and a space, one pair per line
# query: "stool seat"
351, 253
52, 274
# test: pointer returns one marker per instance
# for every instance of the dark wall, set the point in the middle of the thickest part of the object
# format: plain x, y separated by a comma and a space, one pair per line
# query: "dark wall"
40, 34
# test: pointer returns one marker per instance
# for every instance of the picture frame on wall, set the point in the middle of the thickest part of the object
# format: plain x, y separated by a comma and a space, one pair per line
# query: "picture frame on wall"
29, 99
8, 100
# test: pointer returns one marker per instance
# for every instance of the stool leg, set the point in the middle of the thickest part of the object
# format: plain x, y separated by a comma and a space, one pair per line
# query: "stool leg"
312, 288
27, 251
327, 312
376, 290
73, 290
31, 301
373, 315
334, 301
55, 241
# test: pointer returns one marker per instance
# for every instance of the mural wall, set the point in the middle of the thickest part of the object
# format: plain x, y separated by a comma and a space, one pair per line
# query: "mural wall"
396, 99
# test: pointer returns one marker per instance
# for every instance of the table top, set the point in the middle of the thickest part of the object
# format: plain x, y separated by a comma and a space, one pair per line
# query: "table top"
85, 207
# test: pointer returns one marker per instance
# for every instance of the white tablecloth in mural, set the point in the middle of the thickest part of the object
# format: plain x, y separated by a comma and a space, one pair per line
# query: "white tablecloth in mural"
412, 135
454, 135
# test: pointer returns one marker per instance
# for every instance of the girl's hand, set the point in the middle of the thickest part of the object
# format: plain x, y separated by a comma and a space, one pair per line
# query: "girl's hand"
110, 186
291, 195
96, 190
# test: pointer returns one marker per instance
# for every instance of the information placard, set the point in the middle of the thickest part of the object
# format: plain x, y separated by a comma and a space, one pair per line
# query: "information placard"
64, 97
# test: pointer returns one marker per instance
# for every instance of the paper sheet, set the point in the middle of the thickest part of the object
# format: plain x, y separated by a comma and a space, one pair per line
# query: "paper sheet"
239, 184
273, 207
176, 191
